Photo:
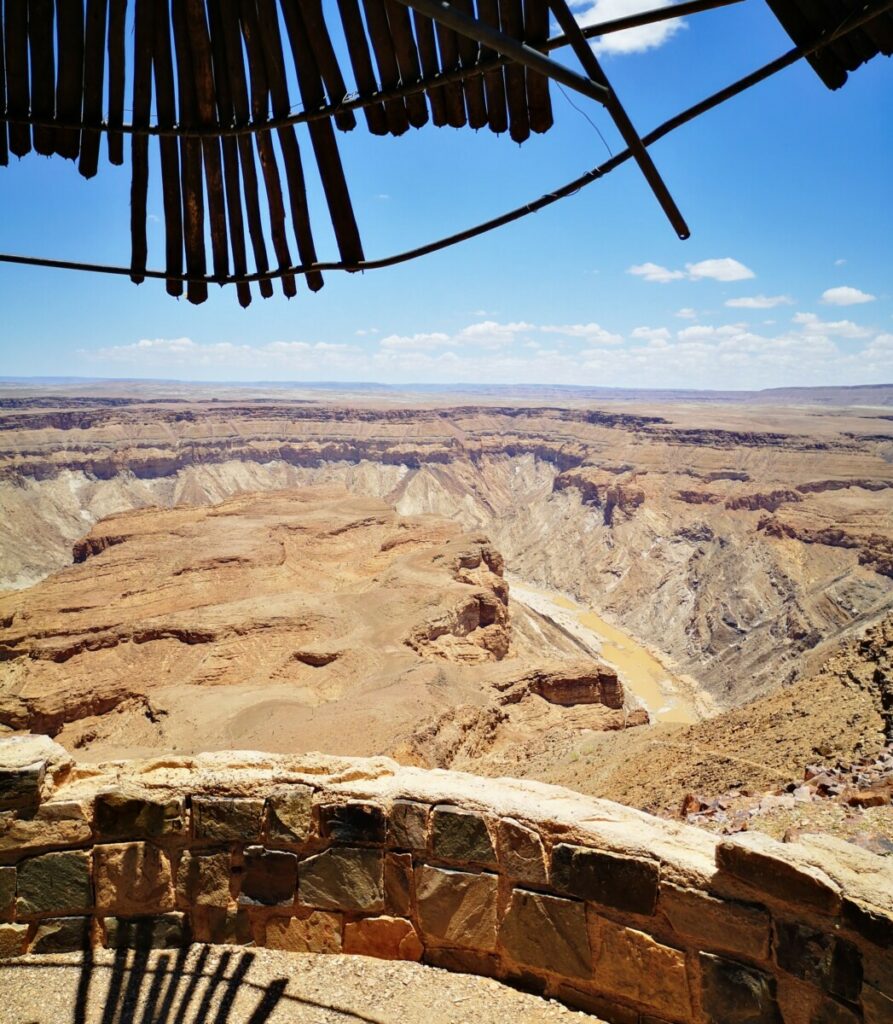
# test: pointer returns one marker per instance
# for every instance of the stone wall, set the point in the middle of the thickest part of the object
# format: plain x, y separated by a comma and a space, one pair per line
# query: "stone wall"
636, 919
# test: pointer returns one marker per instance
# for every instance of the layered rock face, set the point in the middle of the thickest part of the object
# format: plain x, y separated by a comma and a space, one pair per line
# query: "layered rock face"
738, 541
299, 619
629, 917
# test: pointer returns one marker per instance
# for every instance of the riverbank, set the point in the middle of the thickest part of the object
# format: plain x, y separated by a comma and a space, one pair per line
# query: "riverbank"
666, 696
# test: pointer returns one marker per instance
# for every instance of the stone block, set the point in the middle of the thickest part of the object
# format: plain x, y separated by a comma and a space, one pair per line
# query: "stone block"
166, 931
635, 967
624, 883
270, 878
869, 922
408, 825
20, 787
398, 883
62, 935
204, 879
460, 835
7, 891
713, 924
457, 908
464, 961
227, 819
39, 833
119, 816
732, 993
319, 932
520, 852
877, 969
132, 879
548, 933
13, 940
221, 925
388, 938
761, 862
599, 1006
831, 963
290, 814
343, 878
877, 1008
55, 883
352, 822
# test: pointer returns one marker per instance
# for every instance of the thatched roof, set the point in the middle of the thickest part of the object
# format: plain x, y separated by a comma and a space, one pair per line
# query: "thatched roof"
219, 87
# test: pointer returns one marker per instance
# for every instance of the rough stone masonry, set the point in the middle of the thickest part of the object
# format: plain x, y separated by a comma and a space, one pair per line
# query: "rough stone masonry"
636, 919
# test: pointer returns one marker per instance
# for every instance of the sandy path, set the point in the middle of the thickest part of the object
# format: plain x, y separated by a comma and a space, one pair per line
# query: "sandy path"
235, 985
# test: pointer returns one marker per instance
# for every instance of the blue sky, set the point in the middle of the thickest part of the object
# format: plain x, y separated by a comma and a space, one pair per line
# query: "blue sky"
786, 279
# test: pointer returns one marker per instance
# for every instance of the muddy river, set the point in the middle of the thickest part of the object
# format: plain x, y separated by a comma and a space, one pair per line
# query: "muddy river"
666, 697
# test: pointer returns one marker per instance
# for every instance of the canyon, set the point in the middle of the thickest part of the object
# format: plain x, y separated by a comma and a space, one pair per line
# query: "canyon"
740, 542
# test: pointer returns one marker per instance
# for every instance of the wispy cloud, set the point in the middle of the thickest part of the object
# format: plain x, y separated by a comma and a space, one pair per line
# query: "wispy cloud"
812, 325
760, 302
844, 295
722, 269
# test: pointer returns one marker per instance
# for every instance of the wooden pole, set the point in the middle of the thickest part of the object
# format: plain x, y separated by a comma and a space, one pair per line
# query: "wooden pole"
94, 84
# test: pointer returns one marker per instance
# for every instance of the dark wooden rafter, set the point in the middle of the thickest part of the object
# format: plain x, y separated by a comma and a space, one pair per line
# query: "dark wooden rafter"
361, 63
260, 101
231, 175
322, 137
472, 85
326, 59
143, 44
512, 17
190, 164
94, 84
117, 66
536, 32
386, 60
430, 65
206, 109
4, 143
228, 13
70, 78
42, 63
494, 81
448, 45
166, 104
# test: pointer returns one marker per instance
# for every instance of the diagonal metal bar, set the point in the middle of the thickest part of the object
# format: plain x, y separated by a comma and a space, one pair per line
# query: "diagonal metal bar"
447, 14
591, 66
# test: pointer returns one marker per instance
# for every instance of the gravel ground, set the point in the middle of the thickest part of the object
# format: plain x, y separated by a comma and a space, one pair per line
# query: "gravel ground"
221, 985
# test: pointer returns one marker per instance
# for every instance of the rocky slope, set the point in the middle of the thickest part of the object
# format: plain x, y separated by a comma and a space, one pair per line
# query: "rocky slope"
306, 619
740, 542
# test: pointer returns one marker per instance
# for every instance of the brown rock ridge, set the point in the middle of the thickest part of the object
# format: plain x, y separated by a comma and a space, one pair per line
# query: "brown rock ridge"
302, 618
584, 901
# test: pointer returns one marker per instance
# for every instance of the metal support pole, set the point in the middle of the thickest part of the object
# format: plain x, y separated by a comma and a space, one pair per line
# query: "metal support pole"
591, 66
446, 14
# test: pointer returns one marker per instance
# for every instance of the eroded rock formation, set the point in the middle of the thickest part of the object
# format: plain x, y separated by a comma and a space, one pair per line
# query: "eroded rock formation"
661, 519
299, 618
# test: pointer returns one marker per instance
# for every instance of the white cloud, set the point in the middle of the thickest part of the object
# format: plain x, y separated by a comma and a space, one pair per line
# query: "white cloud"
840, 263
760, 302
416, 342
686, 313
812, 325
846, 296
635, 40
592, 333
650, 334
725, 269
655, 272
